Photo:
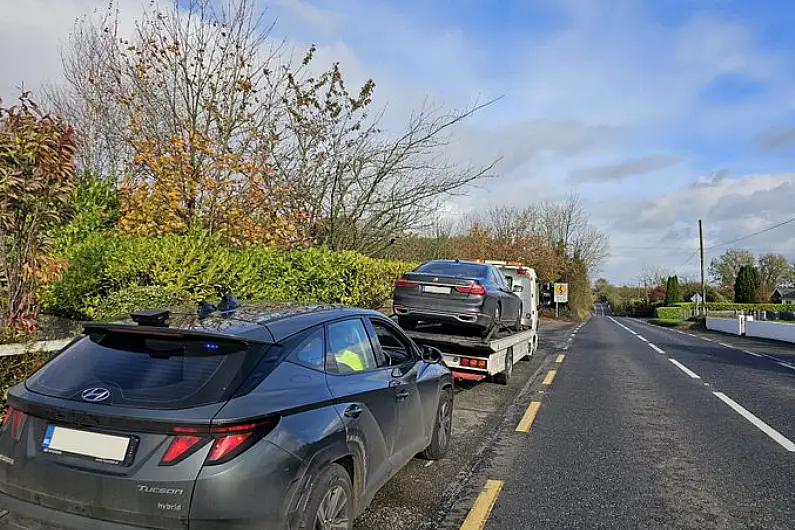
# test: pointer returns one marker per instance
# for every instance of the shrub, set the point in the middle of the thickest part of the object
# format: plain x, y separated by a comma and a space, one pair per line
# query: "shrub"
16, 368
204, 268
671, 313
119, 304
665, 322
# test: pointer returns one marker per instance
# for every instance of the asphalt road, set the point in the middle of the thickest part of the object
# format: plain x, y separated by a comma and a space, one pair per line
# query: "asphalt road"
641, 427
420, 494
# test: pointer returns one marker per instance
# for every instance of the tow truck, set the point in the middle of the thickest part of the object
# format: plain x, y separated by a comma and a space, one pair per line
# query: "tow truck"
474, 358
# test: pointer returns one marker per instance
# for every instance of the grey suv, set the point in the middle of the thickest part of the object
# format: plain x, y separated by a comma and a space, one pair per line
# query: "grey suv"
281, 419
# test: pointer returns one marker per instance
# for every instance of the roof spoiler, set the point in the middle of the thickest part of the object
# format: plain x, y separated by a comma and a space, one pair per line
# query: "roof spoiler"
160, 331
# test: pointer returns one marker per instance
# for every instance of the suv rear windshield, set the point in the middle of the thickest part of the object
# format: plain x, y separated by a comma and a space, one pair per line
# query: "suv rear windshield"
456, 270
151, 372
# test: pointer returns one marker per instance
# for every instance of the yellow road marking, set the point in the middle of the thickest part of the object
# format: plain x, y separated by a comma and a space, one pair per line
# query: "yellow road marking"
550, 377
529, 416
481, 510
560, 358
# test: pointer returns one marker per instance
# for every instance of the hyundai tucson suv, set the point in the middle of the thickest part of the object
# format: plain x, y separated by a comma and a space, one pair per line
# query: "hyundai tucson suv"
457, 292
250, 419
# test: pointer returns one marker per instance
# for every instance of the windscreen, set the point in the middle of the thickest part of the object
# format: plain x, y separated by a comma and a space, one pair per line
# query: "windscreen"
148, 371
455, 270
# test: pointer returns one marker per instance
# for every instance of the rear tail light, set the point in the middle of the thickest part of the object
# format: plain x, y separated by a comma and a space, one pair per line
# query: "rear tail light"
181, 448
16, 419
228, 441
403, 282
475, 288
466, 362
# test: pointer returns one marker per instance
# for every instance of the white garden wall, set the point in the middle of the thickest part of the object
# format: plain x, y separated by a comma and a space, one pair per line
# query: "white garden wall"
770, 330
725, 325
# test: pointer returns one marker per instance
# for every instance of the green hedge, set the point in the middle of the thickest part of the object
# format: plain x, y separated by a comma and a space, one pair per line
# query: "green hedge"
204, 268
671, 313
119, 304
665, 322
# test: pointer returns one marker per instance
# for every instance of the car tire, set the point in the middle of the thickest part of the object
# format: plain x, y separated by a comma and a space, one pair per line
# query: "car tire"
494, 327
407, 323
504, 377
442, 428
330, 483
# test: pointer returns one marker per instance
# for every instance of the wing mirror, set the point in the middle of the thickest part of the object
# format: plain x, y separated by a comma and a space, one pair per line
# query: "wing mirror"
518, 288
431, 355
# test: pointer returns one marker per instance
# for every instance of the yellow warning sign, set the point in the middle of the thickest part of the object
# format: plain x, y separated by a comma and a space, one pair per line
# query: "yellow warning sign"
561, 293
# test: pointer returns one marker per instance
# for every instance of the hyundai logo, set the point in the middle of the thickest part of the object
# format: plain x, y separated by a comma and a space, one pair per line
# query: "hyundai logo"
95, 395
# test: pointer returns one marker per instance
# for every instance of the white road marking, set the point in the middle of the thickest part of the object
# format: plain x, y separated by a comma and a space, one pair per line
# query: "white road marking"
685, 369
706, 339
655, 348
762, 426
644, 339
786, 365
726, 345
749, 352
430, 463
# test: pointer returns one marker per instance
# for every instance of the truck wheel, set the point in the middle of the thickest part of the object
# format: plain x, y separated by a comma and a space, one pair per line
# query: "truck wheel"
442, 428
407, 323
504, 377
532, 347
330, 502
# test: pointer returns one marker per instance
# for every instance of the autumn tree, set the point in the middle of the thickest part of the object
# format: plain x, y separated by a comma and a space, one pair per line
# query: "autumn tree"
774, 270
189, 99
37, 175
724, 269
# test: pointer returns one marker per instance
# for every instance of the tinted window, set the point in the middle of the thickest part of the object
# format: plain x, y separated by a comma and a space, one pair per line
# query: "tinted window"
149, 372
350, 347
312, 351
456, 270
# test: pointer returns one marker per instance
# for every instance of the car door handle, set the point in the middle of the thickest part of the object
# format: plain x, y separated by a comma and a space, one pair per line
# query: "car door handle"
402, 394
353, 411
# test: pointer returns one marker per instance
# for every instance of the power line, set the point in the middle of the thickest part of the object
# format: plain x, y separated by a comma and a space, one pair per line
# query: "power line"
768, 229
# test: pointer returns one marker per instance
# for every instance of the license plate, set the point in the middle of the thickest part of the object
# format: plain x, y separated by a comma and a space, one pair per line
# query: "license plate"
100, 447
435, 289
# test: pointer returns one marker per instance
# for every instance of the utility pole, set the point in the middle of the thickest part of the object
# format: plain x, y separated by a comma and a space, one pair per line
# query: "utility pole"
701, 247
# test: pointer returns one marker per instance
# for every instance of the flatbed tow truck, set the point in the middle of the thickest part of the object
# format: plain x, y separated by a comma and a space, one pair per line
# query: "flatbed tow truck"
474, 358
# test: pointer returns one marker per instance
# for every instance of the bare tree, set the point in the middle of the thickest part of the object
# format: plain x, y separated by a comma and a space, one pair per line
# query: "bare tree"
364, 186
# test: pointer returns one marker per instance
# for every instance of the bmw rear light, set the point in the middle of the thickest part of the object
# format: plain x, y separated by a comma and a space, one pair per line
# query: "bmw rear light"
403, 282
228, 441
474, 288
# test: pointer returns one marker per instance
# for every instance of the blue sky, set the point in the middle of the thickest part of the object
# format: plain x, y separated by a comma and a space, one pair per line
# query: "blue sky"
657, 113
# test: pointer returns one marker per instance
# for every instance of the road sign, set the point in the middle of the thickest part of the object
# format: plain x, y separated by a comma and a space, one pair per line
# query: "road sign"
696, 298
561, 293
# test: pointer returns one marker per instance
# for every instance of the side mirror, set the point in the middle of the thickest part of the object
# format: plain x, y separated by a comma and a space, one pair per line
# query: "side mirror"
431, 355
518, 288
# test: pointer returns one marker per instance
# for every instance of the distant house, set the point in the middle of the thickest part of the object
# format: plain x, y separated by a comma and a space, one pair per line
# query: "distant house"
783, 295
